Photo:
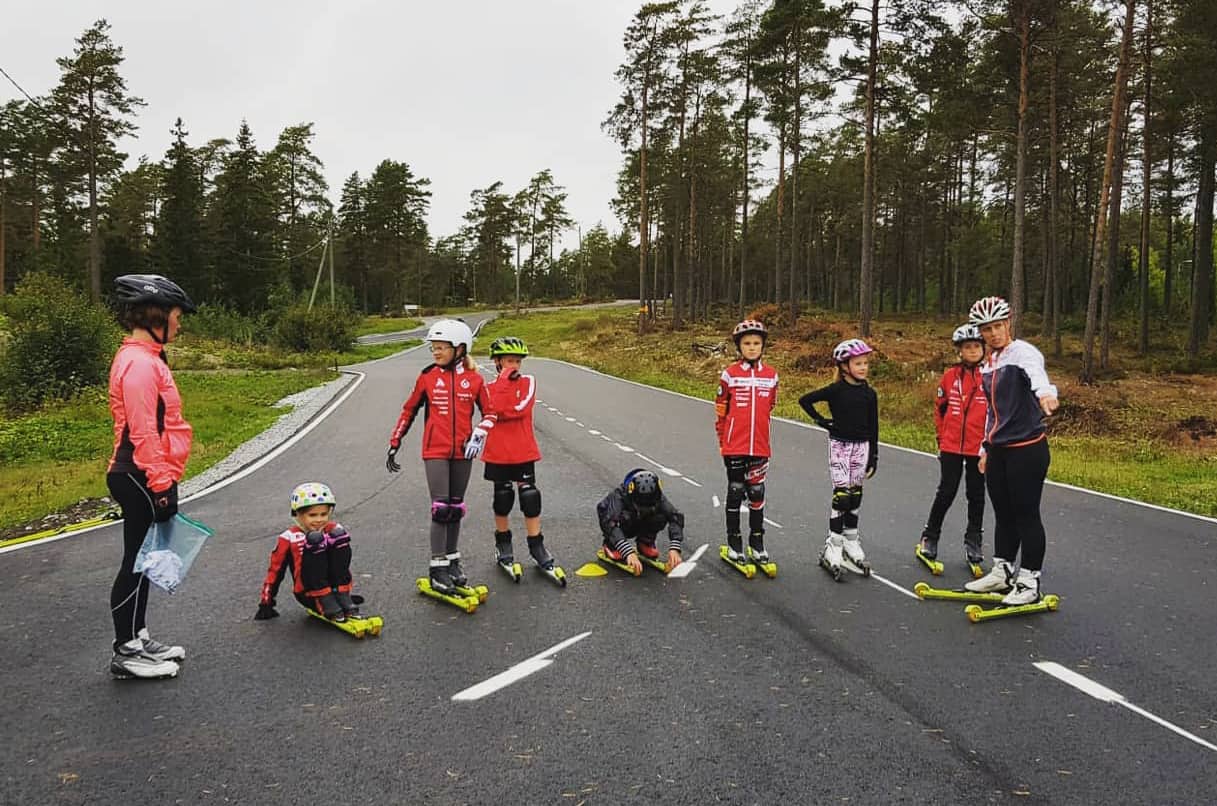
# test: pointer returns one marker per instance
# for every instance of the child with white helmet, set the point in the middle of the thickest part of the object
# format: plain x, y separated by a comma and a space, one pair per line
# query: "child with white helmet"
317, 551
448, 390
853, 449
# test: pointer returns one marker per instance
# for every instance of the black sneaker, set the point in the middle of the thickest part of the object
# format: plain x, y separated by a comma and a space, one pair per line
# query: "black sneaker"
441, 580
929, 546
349, 608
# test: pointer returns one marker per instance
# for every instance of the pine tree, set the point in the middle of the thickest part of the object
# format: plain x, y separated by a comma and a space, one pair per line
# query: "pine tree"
245, 223
179, 247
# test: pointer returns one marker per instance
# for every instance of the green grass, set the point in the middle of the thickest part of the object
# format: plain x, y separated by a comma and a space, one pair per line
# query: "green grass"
386, 324
212, 354
1141, 467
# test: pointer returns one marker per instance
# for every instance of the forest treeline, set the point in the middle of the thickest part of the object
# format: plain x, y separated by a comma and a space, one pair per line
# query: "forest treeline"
867, 157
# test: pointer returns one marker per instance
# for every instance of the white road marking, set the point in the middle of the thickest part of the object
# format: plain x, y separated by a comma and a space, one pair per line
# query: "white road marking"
770, 522
700, 551
593, 432
676, 474
717, 503
516, 673
893, 585
581, 425
570, 419
1104, 694
646, 458
625, 448
691, 481
606, 438
688, 566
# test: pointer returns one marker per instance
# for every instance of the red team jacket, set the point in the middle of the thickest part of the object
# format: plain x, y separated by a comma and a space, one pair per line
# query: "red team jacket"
747, 396
287, 555
447, 425
511, 442
959, 413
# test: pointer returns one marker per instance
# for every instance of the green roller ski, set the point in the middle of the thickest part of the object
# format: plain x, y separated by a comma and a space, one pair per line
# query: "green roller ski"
358, 627
976, 613
654, 562
746, 568
924, 591
603, 557
976, 569
769, 568
467, 603
935, 566
479, 592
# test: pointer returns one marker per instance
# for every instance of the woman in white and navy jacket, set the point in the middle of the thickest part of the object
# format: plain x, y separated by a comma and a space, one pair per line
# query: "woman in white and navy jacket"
1014, 454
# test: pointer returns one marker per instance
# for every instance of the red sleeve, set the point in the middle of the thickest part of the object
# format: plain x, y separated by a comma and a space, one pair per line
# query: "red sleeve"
485, 404
141, 392
409, 410
279, 560
941, 402
721, 399
503, 399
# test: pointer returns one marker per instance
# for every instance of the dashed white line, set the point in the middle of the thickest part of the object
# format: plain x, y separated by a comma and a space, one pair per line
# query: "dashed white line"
676, 474
625, 448
717, 503
518, 672
606, 438
1104, 694
893, 585
593, 432
691, 481
773, 523
570, 419
579, 424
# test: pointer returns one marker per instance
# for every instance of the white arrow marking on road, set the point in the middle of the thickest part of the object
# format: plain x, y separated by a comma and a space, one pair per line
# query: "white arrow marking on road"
686, 568
1104, 694
691, 481
516, 673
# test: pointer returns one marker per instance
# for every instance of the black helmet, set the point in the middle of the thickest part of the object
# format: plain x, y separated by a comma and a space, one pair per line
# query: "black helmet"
151, 289
643, 487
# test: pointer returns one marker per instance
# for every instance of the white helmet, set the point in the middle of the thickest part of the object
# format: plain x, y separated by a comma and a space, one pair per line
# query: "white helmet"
988, 309
968, 332
453, 331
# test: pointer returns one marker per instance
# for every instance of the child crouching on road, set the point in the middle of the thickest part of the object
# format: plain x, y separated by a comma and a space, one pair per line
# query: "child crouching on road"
636, 511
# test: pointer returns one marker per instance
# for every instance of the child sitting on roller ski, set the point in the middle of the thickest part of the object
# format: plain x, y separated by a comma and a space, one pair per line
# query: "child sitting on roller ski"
636, 511
959, 418
853, 449
747, 396
510, 455
317, 550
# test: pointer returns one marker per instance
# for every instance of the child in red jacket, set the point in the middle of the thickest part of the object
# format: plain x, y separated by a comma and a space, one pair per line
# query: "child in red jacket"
747, 395
959, 416
510, 456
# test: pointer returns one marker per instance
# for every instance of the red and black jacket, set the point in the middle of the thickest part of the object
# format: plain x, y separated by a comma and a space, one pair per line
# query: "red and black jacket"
288, 554
512, 442
959, 411
448, 395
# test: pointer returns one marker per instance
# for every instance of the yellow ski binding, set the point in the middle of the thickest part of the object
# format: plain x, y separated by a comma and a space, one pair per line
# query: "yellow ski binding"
603, 557
467, 603
936, 567
747, 569
358, 627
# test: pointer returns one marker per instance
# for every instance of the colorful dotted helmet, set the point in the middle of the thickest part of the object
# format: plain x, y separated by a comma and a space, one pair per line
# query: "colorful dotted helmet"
643, 487
850, 348
311, 494
748, 326
968, 332
508, 345
988, 309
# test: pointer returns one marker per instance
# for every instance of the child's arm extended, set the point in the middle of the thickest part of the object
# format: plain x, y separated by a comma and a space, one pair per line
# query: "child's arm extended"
808, 403
280, 558
676, 531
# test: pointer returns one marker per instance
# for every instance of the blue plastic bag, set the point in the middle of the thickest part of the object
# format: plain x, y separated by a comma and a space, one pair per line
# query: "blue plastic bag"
169, 550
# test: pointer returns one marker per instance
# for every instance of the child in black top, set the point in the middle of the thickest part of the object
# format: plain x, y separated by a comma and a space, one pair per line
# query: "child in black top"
637, 510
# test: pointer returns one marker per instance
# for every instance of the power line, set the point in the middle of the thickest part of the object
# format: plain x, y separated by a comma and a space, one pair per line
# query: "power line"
21, 89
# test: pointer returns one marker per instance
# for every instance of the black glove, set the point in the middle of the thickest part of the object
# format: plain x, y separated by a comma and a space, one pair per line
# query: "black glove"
164, 504
391, 462
872, 464
266, 611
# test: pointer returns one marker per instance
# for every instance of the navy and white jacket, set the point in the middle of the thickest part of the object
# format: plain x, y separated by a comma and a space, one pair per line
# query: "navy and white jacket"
1014, 380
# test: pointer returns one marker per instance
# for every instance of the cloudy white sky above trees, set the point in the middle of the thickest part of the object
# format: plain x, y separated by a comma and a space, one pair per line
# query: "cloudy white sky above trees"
465, 92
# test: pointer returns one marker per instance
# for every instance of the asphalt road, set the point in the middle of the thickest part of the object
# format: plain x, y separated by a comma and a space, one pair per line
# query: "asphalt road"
710, 688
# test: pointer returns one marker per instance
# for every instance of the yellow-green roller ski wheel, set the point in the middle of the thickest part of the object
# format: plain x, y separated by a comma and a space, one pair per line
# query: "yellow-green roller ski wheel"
1053, 601
973, 612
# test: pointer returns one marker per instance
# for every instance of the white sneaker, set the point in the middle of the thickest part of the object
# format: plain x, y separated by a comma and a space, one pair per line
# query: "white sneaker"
1000, 579
156, 649
853, 548
1026, 589
832, 550
131, 661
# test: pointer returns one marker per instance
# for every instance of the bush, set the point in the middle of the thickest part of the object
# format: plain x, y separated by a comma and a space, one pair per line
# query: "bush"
59, 343
323, 329
216, 321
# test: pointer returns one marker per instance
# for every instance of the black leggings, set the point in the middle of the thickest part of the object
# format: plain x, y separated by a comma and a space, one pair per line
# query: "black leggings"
952, 466
129, 596
1015, 478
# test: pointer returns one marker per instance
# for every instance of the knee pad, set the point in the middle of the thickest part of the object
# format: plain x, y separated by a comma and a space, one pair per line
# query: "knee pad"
447, 510
841, 498
855, 498
504, 498
756, 495
530, 500
736, 490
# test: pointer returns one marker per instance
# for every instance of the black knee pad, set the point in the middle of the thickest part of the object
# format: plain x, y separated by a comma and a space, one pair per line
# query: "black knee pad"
756, 495
447, 510
736, 490
855, 498
530, 500
841, 499
504, 497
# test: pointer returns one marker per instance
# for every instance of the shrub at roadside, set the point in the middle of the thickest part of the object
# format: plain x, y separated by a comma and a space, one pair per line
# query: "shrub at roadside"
59, 343
217, 321
323, 329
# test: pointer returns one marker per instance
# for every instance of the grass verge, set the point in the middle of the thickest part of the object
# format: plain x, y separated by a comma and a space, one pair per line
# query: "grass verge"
1140, 433
373, 325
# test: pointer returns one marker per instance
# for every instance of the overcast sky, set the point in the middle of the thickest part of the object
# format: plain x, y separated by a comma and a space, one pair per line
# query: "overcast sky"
466, 93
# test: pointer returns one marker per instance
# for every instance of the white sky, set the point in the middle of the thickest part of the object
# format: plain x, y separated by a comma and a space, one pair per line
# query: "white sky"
466, 93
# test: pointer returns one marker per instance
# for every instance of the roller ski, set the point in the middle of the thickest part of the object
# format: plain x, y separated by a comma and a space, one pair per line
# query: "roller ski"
610, 556
832, 556
545, 561
854, 558
358, 626
973, 553
734, 556
649, 554
759, 557
439, 585
1024, 597
925, 591
927, 552
460, 580
504, 558
976, 613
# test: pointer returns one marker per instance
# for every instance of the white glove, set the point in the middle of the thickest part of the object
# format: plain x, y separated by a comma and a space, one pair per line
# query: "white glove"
477, 441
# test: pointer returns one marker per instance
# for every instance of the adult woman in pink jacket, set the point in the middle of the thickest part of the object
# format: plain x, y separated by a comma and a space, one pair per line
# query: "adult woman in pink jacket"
151, 445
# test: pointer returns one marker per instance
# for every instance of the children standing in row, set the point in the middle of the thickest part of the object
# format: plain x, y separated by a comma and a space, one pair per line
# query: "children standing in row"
853, 449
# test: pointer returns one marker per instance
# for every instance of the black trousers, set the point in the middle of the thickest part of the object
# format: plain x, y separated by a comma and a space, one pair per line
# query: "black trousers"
1015, 478
951, 468
129, 595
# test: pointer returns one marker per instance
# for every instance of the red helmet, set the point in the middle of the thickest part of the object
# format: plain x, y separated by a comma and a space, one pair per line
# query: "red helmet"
748, 326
